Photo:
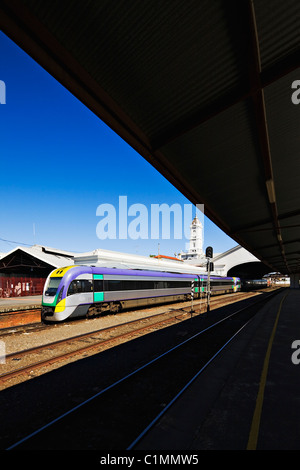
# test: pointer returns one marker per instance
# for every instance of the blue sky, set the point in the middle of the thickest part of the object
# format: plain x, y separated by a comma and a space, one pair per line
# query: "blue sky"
59, 162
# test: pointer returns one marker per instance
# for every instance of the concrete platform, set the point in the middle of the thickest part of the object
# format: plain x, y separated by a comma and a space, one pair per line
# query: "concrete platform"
249, 398
20, 303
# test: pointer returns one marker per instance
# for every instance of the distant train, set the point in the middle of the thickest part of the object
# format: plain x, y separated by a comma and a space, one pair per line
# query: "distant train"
78, 291
252, 284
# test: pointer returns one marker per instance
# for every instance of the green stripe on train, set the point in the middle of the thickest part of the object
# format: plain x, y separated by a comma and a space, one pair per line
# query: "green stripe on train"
98, 296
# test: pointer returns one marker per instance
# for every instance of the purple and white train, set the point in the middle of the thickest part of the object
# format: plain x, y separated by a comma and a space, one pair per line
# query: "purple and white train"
86, 291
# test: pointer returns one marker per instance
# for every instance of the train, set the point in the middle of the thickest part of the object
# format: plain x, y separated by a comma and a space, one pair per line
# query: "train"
252, 284
88, 291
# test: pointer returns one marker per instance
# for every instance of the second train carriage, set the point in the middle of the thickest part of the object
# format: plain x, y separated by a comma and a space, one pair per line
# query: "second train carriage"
252, 284
77, 291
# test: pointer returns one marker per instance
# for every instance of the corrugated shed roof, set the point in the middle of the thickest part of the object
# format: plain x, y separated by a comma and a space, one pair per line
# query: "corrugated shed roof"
54, 257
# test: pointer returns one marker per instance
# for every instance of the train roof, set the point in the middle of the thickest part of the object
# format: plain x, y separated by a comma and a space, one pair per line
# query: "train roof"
81, 269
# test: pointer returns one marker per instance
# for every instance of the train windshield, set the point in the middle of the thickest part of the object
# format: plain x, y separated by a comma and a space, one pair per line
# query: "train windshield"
53, 285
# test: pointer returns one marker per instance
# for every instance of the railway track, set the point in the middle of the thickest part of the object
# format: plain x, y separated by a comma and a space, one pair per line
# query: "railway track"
58, 351
37, 360
20, 321
40, 359
19, 318
144, 393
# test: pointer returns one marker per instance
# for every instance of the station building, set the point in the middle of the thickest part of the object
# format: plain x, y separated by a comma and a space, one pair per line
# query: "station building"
23, 270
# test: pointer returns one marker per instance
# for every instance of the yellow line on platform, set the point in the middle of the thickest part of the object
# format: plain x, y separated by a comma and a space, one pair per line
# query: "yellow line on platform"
254, 430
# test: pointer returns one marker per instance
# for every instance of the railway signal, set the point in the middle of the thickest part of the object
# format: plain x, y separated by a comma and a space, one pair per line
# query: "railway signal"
210, 266
209, 252
192, 295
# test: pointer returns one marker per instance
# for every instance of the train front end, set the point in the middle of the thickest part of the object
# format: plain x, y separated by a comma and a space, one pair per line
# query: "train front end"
54, 296
236, 284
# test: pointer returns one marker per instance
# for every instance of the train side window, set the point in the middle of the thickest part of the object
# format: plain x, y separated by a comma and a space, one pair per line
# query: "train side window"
80, 285
141, 284
87, 285
113, 285
126, 284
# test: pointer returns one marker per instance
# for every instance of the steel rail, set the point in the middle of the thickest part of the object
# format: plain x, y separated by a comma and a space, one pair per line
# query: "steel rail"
8, 375
139, 369
186, 386
52, 360
215, 300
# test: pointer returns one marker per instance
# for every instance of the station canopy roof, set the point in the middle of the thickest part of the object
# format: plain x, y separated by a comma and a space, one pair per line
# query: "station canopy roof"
36, 259
202, 89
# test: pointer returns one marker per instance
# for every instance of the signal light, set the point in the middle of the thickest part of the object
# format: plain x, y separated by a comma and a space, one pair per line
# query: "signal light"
209, 252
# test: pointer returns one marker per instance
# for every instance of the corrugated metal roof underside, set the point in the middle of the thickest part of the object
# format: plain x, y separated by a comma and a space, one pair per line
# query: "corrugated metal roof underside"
278, 25
189, 85
158, 81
